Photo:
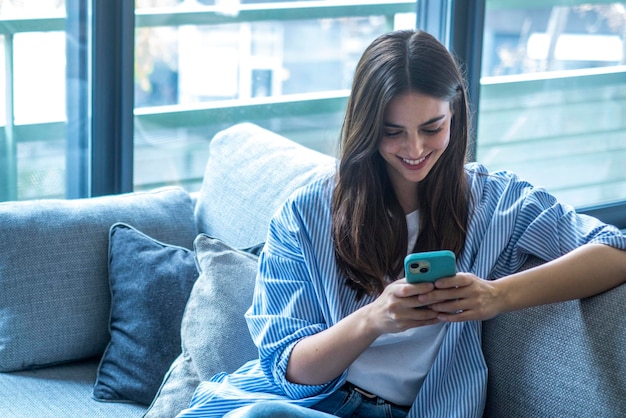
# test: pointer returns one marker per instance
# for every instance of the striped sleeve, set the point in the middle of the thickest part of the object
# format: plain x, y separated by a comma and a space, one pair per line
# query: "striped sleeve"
287, 303
512, 220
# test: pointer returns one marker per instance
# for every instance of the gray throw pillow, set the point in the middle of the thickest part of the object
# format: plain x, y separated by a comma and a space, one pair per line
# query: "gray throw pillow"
54, 287
177, 389
150, 284
215, 336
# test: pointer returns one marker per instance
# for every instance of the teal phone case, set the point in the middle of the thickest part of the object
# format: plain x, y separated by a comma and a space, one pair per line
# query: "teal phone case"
429, 266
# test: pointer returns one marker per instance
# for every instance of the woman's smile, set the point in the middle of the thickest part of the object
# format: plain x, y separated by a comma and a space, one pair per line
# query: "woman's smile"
415, 164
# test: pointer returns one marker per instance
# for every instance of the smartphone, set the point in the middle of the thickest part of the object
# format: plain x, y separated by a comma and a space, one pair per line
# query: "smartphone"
429, 266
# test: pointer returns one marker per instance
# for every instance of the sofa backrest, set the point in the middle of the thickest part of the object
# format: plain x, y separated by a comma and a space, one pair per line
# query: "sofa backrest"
249, 174
55, 298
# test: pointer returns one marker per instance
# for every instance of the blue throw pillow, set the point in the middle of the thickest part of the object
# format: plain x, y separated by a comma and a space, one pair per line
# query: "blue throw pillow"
150, 284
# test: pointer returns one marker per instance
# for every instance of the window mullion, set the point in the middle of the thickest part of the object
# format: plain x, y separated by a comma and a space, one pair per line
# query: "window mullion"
77, 96
112, 99
433, 16
466, 43
458, 24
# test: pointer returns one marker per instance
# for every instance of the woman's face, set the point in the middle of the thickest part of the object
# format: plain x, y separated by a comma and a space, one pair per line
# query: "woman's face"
416, 132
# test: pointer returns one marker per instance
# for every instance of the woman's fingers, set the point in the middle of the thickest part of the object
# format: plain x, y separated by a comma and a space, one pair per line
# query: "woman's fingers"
461, 298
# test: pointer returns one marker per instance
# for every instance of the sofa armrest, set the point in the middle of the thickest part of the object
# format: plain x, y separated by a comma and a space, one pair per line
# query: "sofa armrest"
557, 360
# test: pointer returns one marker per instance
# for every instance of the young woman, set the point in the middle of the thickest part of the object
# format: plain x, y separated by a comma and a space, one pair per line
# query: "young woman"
339, 329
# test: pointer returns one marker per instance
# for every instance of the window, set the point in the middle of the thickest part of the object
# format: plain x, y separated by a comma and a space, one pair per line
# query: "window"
199, 66
110, 96
553, 96
202, 66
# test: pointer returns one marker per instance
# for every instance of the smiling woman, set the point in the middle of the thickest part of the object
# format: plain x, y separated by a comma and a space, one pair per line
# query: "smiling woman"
416, 133
418, 89
335, 320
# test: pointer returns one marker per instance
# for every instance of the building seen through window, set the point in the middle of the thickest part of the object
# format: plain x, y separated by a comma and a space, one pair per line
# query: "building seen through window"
553, 96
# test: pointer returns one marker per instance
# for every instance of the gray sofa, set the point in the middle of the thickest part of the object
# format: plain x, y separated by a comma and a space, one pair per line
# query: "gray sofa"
134, 299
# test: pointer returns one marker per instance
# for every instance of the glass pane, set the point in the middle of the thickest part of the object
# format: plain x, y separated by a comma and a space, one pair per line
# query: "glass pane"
3, 80
39, 77
33, 116
553, 94
12, 9
192, 80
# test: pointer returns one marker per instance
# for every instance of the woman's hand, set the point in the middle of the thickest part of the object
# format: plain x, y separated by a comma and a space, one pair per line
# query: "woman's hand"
321, 357
463, 297
583, 272
399, 308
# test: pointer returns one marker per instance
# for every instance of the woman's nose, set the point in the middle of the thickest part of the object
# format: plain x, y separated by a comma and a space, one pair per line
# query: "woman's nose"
415, 144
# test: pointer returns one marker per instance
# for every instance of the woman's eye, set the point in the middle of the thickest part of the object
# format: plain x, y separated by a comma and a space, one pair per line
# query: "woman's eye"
392, 133
433, 131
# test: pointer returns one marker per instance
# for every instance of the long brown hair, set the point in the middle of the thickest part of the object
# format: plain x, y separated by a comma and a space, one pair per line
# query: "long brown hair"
369, 226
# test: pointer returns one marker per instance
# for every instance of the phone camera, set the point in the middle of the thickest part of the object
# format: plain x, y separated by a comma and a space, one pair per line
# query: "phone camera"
422, 268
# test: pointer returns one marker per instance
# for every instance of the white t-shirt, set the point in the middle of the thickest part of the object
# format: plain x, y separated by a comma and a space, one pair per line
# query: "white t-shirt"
395, 365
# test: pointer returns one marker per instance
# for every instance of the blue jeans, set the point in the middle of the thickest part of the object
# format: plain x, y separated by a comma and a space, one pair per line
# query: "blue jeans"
345, 402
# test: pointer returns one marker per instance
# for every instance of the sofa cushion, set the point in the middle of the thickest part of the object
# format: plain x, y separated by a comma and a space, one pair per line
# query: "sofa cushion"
54, 289
249, 174
150, 284
215, 337
559, 360
62, 391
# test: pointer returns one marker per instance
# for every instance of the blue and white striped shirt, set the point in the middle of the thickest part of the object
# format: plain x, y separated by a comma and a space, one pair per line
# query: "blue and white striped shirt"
300, 292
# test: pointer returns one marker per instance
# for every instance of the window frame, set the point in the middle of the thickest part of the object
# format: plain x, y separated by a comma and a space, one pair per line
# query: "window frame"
101, 101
